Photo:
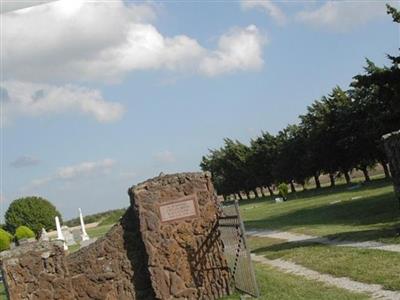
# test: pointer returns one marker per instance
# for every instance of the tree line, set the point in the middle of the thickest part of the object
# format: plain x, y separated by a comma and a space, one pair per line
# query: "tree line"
338, 133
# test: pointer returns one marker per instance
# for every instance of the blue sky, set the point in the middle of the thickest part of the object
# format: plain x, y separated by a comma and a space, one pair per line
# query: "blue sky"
98, 96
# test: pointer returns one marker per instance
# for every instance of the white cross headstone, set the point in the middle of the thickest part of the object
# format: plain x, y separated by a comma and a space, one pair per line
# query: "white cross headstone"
84, 235
44, 236
60, 235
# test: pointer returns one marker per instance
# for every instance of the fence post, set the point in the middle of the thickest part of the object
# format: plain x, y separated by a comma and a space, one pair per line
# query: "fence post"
243, 233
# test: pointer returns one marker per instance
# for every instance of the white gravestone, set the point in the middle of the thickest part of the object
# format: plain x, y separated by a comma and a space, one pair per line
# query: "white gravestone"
69, 238
44, 236
84, 235
60, 235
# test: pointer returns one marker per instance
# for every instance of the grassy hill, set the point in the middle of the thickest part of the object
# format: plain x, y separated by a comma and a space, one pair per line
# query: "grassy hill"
104, 218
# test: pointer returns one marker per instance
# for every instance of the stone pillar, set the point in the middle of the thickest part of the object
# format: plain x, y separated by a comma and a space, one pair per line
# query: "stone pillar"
37, 271
178, 224
392, 149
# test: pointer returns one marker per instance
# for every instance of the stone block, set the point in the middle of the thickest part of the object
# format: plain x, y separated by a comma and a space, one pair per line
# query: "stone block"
178, 218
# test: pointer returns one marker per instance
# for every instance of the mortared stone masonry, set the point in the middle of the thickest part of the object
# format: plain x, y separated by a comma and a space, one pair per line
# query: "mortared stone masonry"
179, 227
166, 246
37, 271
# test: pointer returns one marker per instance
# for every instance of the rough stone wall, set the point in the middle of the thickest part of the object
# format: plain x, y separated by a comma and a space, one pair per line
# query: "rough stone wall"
392, 149
114, 267
142, 257
178, 223
37, 271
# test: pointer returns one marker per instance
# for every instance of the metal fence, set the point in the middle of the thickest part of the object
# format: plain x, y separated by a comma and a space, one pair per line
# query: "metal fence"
236, 250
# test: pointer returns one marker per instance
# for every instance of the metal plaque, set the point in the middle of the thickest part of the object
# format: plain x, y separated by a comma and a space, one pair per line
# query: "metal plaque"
183, 208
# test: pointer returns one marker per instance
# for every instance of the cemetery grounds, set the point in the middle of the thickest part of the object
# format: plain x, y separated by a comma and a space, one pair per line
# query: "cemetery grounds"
360, 212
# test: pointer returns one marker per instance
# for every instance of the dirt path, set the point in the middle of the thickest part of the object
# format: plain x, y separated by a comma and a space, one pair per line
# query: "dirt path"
376, 291
294, 237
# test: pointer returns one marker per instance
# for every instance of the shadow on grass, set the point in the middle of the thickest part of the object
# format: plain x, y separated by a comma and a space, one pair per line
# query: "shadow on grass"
359, 236
283, 246
355, 187
368, 210
388, 234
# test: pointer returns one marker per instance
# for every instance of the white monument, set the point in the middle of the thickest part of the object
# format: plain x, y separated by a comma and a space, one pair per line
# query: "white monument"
60, 235
68, 237
44, 236
84, 235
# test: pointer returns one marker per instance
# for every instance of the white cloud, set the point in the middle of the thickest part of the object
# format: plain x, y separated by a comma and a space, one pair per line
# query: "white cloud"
343, 15
128, 174
38, 182
7, 5
268, 7
32, 99
241, 49
104, 40
24, 161
165, 157
83, 169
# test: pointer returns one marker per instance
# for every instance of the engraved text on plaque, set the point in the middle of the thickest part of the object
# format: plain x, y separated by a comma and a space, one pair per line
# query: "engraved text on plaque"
180, 209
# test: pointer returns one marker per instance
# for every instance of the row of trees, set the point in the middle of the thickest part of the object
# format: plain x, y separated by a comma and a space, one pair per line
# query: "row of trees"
339, 133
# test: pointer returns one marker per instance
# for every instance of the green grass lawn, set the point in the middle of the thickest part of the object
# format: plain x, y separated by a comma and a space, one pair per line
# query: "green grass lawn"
3, 295
369, 212
98, 231
369, 266
74, 248
281, 286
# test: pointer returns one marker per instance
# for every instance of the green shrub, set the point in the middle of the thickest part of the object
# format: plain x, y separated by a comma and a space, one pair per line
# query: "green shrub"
5, 240
34, 212
24, 232
283, 190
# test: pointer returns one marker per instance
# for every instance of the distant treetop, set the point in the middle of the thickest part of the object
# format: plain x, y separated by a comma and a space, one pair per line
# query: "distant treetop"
33, 212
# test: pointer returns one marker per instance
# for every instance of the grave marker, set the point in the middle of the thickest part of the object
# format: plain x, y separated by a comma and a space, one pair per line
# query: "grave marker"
60, 235
184, 208
179, 227
84, 235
